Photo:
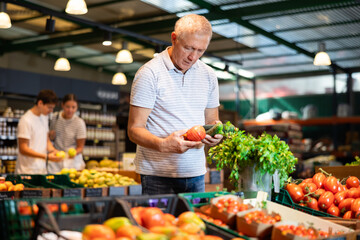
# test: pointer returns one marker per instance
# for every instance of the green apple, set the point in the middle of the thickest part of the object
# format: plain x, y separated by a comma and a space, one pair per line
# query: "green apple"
116, 222
72, 152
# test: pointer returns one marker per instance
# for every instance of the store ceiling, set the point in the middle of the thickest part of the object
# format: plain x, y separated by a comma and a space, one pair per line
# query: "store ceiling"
270, 38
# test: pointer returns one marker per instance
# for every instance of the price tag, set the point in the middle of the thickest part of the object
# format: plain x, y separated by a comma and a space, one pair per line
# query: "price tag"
7, 195
117, 191
72, 192
135, 190
31, 193
93, 192
261, 196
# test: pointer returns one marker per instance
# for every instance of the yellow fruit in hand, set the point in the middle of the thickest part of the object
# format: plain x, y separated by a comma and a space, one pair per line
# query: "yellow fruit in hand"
60, 154
72, 152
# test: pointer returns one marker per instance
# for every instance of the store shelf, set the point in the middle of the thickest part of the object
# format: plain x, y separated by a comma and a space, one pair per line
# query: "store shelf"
307, 122
8, 157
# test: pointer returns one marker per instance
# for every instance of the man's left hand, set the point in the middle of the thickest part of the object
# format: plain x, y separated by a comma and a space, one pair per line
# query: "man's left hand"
212, 141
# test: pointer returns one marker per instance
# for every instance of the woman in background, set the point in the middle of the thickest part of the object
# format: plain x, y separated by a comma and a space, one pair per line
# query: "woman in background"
67, 130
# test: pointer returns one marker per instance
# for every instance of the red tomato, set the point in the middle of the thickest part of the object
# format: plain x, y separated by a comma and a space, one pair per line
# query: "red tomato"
353, 193
312, 203
309, 188
355, 205
331, 184
357, 215
318, 179
326, 200
342, 188
196, 133
318, 193
307, 180
136, 213
352, 182
345, 205
152, 216
339, 196
348, 215
296, 193
333, 210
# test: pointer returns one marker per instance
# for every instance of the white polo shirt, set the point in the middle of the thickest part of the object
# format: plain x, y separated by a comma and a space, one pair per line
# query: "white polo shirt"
178, 101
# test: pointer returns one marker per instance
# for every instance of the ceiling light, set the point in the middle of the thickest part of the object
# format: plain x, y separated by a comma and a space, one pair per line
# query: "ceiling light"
119, 79
124, 55
107, 39
50, 25
62, 64
76, 7
5, 21
322, 58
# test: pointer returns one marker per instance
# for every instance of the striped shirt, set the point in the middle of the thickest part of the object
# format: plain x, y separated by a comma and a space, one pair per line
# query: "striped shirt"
178, 101
67, 132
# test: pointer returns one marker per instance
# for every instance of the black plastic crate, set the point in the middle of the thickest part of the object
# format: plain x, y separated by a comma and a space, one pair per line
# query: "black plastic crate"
168, 203
89, 211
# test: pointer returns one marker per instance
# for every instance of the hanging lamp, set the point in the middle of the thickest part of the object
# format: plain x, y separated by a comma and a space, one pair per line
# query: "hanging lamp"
322, 58
5, 21
124, 55
76, 7
62, 64
119, 79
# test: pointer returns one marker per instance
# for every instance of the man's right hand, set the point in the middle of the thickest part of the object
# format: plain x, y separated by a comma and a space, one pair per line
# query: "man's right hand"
52, 157
176, 142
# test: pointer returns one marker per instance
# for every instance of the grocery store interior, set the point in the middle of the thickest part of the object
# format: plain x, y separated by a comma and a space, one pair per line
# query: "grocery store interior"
264, 52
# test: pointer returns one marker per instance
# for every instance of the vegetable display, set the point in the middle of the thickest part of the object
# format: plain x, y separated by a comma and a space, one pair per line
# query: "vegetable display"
338, 198
266, 153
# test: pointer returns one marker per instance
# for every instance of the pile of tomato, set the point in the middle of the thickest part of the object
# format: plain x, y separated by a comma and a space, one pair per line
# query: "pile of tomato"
212, 220
327, 194
302, 231
230, 205
261, 217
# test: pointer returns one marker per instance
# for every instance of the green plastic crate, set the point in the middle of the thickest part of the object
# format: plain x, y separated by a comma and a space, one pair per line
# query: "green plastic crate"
33, 181
284, 198
197, 200
62, 180
15, 226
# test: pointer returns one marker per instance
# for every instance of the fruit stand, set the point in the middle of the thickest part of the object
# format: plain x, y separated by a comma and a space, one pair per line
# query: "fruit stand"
106, 203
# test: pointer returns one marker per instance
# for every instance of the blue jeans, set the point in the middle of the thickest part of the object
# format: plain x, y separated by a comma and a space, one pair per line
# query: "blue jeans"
152, 185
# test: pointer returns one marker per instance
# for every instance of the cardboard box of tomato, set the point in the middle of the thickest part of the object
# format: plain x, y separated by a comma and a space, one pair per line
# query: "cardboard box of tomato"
226, 207
298, 217
256, 222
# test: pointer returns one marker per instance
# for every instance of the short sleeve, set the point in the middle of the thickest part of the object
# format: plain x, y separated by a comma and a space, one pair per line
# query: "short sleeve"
143, 91
213, 90
24, 129
81, 131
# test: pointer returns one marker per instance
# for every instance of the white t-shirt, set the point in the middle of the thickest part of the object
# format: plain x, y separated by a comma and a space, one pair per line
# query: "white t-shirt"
35, 129
67, 132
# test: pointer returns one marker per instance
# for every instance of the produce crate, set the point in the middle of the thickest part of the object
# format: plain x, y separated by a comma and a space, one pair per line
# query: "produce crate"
33, 187
284, 198
88, 211
168, 203
70, 189
197, 200
17, 217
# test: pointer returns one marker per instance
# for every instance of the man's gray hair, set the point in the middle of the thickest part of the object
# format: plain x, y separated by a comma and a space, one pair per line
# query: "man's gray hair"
193, 23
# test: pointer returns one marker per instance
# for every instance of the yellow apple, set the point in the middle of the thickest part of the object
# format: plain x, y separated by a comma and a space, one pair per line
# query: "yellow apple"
72, 152
60, 154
